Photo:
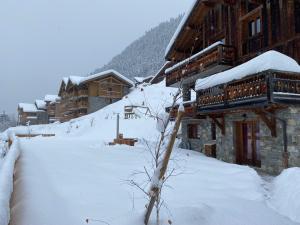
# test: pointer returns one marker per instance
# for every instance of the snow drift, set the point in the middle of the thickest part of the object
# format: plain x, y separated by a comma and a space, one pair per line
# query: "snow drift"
286, 193
6, 182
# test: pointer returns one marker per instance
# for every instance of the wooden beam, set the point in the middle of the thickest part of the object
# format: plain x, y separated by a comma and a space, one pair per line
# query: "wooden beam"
220, 124
270, 122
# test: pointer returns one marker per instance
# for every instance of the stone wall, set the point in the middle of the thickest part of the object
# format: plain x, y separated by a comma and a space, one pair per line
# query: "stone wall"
97, 103
271, 148
205, 135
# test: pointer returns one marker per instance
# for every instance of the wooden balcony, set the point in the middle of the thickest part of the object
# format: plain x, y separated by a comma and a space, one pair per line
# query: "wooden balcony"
189, 110
83, 93
82, 105
215, 60
260, 89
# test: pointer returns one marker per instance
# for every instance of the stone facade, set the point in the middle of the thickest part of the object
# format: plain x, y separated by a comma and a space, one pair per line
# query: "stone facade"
97, 103
271, 148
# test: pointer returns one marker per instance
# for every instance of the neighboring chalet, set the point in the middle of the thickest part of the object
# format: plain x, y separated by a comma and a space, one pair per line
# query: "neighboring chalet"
84, 95
52, 107
247, 106
30, 114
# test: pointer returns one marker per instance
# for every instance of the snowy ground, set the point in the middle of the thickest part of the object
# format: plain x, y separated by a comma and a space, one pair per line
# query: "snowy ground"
66, 181
76, 176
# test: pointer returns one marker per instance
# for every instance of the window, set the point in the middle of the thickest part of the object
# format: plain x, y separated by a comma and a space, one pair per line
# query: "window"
251, 29
258, 25
193, 131
254, 27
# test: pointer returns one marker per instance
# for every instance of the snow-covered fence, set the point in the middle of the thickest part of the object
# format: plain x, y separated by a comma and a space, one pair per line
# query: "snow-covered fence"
6, 181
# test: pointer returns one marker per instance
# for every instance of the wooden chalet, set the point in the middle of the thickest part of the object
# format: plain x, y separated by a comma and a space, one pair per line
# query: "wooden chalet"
32, 114
252, 118
52, 104
84, 95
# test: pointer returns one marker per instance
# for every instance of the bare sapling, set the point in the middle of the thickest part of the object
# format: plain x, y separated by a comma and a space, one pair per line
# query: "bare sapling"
160, 152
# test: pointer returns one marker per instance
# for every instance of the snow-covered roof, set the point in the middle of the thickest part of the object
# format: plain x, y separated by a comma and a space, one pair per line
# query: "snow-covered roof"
271, 60
76, 80
40, 104
65, 80
194, 56
28, 107
51, 98
104, 74
180, 27
139, 79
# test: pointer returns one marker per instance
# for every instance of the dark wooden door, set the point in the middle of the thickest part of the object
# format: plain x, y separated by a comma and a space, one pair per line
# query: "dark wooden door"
247, 143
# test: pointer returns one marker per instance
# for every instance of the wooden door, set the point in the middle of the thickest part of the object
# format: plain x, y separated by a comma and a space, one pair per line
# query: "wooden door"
247, 143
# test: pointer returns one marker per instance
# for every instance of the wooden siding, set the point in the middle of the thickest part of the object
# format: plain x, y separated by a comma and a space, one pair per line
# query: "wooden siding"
250, 27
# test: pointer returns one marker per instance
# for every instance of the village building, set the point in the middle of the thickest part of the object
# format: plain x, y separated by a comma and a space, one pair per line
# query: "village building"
29, 114
242, 59
84, 95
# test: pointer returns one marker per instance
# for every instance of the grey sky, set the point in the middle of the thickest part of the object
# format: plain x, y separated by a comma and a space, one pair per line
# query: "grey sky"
43, 40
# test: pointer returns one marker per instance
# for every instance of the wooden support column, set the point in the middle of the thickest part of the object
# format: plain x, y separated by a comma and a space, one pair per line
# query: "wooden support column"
220, 124
270, 122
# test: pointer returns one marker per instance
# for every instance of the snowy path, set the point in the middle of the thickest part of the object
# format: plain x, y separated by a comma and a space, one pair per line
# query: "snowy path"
66, 181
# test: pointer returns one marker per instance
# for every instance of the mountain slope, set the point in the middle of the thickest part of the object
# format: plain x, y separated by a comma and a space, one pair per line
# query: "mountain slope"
145, 56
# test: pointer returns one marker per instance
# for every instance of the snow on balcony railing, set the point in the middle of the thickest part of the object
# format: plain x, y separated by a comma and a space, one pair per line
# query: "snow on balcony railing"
270, 60
197, 55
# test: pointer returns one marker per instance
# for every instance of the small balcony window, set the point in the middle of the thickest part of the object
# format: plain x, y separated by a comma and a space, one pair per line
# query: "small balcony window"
254, 27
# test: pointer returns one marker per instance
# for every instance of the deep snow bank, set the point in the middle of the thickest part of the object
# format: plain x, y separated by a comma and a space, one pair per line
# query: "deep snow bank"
154, 97
286, 193
6, 182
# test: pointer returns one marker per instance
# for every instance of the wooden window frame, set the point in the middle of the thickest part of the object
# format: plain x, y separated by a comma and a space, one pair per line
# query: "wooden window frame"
193, 131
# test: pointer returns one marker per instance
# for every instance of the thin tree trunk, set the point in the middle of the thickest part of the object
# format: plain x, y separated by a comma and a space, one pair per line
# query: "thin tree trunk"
156, 190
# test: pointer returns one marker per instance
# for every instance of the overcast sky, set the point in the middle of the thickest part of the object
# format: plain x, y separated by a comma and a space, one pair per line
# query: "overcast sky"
43, 40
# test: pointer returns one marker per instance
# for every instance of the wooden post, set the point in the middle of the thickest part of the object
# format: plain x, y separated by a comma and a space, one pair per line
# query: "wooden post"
118, 125
155, 190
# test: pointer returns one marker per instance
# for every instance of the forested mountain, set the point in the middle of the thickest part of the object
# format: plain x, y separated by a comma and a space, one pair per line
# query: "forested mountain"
145, 56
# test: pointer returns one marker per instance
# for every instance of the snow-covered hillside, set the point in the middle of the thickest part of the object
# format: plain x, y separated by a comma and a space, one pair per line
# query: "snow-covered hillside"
77, 178
145, 56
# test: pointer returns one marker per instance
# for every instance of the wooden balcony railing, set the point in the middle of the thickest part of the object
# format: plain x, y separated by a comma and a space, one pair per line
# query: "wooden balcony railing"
83, 93
189, 110
82, 104
219, 55
265, 87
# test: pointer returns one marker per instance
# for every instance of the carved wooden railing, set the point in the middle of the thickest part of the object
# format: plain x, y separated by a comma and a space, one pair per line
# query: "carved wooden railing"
266, 85
83, 93
219, 55
82, 104
189, 110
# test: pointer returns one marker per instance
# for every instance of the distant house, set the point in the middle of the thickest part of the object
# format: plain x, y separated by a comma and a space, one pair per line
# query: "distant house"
84, 95
29, 114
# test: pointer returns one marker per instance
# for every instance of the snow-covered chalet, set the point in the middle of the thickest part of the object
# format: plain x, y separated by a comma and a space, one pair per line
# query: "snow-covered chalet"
238, 64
